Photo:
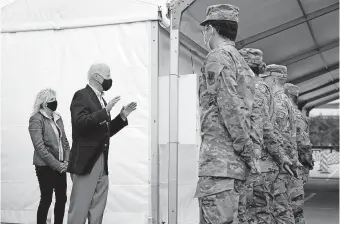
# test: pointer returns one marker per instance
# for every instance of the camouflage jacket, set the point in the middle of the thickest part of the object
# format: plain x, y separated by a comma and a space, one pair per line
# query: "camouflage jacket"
263, 135
302, 132
224, 98
285, 124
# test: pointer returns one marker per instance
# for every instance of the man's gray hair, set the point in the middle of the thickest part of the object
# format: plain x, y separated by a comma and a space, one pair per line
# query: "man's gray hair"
95, 68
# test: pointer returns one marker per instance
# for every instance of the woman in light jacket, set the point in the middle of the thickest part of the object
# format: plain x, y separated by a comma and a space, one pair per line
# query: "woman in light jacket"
51, 153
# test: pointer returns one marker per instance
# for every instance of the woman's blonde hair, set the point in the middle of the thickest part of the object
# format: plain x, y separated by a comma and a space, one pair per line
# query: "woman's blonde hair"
42, 97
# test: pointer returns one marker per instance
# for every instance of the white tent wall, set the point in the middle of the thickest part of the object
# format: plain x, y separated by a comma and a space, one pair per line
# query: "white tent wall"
189, 139
23, 15
60, 60
59, 57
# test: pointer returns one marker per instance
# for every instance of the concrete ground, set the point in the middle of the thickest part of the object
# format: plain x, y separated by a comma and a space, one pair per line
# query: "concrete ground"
332, 171
322, 201
322, 196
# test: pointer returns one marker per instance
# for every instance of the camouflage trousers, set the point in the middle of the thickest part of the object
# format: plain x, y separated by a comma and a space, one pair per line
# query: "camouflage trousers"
282, 208
250, 213
225, 206
305, 174
297, 195
260, 198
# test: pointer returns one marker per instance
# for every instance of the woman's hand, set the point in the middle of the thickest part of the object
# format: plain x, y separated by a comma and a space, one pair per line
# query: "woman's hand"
63, 167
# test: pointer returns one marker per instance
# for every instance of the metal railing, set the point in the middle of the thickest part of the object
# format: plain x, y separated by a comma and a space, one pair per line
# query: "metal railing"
321, 148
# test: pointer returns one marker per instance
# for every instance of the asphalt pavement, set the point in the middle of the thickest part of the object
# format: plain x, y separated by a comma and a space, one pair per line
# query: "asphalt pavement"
322, 201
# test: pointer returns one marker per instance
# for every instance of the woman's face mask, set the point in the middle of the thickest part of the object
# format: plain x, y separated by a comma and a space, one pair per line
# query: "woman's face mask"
52, 105
207, 41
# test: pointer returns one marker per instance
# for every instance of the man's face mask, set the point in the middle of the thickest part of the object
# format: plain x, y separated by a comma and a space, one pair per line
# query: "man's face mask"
207, 42
106, 84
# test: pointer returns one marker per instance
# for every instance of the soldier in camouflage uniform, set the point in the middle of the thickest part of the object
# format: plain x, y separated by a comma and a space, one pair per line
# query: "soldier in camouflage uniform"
285, 128
226, 148
305, 155
260, 187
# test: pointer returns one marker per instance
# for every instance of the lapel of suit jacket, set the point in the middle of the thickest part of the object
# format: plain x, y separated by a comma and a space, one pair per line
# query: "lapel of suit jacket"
93, 97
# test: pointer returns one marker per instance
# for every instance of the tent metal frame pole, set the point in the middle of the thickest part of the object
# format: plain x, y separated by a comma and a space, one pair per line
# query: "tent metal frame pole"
312, 75
154, 145
312, 33
325, 94
176, 7
331, 82
173, 129
309, 108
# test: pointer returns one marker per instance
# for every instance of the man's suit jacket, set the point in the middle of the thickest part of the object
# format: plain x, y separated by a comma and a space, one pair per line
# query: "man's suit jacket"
92, 128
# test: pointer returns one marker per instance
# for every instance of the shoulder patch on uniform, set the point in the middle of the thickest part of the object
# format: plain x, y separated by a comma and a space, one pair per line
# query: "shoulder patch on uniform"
211, 77
213, 68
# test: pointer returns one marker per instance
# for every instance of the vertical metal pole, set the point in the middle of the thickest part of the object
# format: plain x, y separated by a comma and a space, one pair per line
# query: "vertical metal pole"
154, 168
173, 133
176, 9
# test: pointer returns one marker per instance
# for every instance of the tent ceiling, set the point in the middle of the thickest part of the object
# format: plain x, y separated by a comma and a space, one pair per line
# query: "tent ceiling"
301, 34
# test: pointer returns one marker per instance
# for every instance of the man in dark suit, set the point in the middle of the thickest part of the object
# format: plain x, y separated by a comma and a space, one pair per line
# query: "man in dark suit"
92, 128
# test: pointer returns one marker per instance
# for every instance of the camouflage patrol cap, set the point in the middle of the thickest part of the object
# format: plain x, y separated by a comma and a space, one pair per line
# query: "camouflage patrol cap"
275, 70
222, 12
252, 56
292, 89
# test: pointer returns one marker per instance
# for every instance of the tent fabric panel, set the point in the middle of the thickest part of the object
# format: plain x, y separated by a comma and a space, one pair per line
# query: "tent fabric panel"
189, 68
60, 60
283, 45
188, 176
304, 67
61, 14
188, 64
326, 28
332, 56
273, 13
188, 153
192, 29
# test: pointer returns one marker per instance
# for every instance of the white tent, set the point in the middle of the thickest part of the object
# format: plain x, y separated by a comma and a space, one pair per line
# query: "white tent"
52, 44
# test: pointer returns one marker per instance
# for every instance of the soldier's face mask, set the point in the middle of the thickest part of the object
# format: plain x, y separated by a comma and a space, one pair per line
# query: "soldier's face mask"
269, 80
207, 42
295, 99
